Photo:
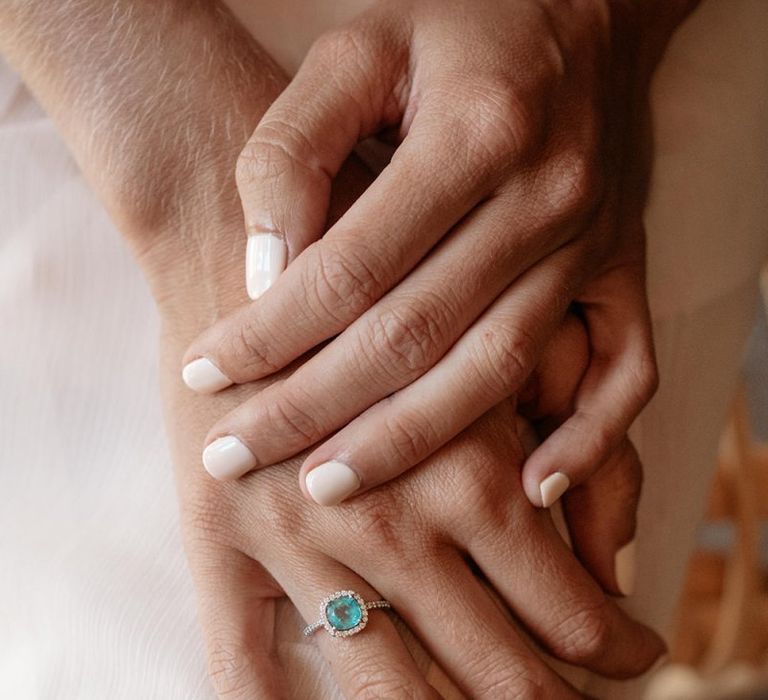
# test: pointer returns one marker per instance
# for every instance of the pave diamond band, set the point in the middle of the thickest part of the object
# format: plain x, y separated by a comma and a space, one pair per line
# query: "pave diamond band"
344, 613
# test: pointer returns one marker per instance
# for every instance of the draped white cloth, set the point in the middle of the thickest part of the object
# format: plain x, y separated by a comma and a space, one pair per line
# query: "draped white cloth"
95, 598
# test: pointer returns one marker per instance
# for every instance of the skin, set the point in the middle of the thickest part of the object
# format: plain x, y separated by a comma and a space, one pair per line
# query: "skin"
162, 165
516, 190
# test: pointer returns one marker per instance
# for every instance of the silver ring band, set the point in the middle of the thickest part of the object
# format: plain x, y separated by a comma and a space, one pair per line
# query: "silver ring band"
344, 613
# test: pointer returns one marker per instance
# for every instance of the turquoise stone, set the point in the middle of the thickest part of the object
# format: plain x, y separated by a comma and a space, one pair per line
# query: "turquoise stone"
344, 613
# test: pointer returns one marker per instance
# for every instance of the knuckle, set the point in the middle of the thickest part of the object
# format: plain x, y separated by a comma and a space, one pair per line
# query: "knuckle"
249, 352
262, 157
375, 521
492, 507
646, 376
289, 418
278, 520
405, 541
229, 669
278, 144
342, 283
575, 186
500, 678
207, 514
584, 636
373, 682
598, 434
408, 338
505, 358
504, 124
483, 496
342, 46
412, 437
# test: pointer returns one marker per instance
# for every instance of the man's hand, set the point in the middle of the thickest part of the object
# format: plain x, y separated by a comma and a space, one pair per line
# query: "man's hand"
517, 188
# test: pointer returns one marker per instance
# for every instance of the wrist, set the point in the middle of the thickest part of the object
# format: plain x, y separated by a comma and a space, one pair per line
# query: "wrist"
155, 104
195, 262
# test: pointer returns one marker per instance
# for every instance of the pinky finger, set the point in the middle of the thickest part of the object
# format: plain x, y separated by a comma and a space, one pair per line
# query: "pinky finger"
236, 607
620, 379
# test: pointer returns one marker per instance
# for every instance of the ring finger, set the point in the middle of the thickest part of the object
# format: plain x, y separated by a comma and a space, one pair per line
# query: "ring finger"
374, 663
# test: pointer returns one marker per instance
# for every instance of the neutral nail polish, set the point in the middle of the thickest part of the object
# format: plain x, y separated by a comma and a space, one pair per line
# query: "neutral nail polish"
624, 567
330, 483
204, 377
228, 458
551, 488
265, 258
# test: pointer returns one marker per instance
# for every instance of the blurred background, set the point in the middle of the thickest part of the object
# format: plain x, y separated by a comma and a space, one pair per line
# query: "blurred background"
720, 642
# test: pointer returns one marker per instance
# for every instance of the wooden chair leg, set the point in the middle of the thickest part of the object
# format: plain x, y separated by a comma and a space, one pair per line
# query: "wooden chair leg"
739, 618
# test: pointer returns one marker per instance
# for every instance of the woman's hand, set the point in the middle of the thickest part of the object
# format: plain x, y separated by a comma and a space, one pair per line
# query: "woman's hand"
254, 540
516, 190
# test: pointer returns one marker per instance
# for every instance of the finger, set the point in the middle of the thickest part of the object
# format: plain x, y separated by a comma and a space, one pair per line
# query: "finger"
236, 607
548, 395
389, 347
584, 627
602, 518
602, 511
490, 362
372, 663
284, 173
619, 381
434, 179
467, 633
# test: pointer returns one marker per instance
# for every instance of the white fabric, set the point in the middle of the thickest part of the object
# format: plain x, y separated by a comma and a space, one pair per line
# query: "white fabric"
95, 598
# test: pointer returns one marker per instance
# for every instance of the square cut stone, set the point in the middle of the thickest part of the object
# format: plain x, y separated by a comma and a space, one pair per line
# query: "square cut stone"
344, 613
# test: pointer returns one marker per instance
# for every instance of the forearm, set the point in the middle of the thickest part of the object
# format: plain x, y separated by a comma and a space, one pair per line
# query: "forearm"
155, 101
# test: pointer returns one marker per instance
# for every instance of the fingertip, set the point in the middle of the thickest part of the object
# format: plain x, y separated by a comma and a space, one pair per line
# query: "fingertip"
204, 377
330, 483
552, 487
228, 458
266, 256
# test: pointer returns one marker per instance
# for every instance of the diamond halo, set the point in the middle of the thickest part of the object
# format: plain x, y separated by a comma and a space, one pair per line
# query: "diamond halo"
337, 630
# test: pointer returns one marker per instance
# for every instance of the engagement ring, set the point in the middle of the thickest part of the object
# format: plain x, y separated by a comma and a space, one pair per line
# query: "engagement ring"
344, 613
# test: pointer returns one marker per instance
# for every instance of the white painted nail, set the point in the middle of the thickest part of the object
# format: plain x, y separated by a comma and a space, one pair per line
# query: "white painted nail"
624, 567
228, 458
330, 483
554, 486
265, 258
204, 377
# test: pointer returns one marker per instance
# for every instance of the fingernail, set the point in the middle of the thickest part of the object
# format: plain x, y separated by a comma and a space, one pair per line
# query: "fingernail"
204, 377
331, 482
624, 567
227, 458
265, 258
554, 486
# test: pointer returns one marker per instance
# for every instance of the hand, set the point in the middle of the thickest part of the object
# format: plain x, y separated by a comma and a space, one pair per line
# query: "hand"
191, 277
407, 543
517, 190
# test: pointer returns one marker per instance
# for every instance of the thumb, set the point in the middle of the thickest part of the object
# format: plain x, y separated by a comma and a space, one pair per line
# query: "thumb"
236, 608
284, 173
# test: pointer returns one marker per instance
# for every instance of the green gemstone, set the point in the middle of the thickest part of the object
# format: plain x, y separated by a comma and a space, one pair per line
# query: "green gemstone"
344, 613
